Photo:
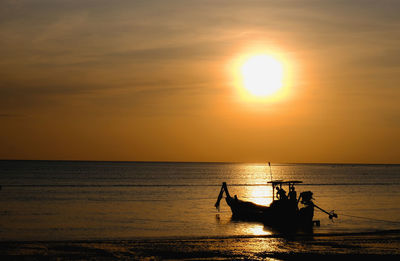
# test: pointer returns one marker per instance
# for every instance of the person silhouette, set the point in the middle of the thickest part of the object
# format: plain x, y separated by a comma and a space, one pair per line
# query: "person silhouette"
281, 193
292, 194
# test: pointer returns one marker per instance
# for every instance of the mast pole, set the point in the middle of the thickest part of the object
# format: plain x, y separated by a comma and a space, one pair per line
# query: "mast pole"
270, 171
270, 177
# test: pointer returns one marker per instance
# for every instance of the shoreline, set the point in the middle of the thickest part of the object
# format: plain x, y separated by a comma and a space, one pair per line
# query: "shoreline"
385, 246
275, 235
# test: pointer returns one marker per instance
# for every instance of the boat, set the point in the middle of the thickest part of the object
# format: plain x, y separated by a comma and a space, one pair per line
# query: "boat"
284, 211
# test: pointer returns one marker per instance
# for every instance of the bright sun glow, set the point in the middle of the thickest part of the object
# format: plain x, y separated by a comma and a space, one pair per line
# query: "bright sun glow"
262, 75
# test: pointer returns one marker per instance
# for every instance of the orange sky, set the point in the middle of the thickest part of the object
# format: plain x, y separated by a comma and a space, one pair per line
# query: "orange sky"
154, 81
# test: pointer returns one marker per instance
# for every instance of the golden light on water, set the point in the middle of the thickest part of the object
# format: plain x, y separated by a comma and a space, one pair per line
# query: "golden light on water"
261, 195
260, 192
257, 230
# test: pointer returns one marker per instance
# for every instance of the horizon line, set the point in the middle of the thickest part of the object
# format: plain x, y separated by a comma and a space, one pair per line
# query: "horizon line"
209, 162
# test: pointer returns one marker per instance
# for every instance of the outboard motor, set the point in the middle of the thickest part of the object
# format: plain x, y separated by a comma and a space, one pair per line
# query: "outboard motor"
306, 213
306, 197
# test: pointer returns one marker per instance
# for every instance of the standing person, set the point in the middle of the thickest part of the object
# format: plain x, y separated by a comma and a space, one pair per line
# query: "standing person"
292, 194
281, 193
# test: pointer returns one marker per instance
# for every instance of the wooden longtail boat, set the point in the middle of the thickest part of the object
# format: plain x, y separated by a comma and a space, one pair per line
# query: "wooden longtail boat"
283, 212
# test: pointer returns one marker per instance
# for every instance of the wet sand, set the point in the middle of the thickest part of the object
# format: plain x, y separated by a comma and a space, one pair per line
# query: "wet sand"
385, 246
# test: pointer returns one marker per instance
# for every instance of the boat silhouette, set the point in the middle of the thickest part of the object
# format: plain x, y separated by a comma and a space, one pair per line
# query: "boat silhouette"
284, 211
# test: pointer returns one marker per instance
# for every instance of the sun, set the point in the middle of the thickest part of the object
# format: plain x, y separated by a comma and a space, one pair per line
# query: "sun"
262, 75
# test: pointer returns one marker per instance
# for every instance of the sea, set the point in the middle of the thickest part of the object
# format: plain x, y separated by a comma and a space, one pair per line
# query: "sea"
82, 200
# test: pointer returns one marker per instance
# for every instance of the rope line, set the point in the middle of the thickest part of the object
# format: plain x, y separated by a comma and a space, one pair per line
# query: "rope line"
332, 213
374, 219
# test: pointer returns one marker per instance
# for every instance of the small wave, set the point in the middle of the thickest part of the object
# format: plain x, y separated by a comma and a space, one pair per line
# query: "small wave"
361, 233
392, 232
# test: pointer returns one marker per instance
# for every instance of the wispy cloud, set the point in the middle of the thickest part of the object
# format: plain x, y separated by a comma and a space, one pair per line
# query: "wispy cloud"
11, 115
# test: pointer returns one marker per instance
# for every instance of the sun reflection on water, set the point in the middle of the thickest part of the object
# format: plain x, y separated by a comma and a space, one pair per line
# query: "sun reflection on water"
261, 195
259, 192
256, 230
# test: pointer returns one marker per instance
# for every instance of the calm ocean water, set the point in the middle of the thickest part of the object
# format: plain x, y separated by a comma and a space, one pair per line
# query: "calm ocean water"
62, 200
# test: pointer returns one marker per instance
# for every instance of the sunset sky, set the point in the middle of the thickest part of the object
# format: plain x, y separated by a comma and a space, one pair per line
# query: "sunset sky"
158, 81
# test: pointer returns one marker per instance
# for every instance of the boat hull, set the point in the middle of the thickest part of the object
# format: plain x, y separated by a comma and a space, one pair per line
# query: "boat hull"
280, 214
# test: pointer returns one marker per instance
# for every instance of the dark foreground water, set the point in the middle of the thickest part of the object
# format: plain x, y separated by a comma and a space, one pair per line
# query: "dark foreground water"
153, 202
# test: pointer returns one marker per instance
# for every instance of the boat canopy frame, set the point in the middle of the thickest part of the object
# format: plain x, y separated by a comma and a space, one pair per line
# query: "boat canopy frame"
275, 183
